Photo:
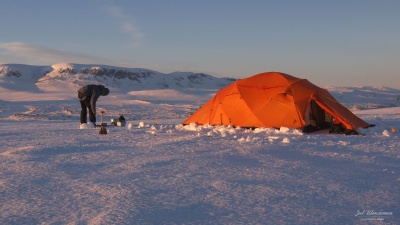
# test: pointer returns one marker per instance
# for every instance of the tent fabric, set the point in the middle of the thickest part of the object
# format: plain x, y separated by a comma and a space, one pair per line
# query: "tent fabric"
271, 99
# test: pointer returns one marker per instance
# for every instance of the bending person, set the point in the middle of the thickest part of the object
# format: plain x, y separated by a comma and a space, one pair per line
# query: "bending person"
88, 96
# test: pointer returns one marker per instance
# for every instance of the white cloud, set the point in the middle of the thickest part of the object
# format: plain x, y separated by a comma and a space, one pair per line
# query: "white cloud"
34, 54
126, 23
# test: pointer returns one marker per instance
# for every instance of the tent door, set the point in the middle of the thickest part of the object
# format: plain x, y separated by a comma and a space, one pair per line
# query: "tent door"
317, 118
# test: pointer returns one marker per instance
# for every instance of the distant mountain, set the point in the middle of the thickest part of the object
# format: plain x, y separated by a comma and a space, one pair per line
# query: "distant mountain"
71, 76
366, 97
61, 81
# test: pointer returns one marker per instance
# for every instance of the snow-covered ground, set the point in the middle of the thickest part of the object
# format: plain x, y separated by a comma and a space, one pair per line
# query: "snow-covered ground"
156, 171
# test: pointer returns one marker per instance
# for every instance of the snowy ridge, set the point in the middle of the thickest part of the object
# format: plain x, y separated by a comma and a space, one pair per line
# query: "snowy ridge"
366, 97
64, 79
41, 88
75, 75
49, 92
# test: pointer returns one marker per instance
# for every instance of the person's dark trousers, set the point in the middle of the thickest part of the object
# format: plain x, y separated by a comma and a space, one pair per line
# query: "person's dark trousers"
85, 104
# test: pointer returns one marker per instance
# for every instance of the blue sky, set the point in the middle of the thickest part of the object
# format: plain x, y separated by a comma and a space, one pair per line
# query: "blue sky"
331, 43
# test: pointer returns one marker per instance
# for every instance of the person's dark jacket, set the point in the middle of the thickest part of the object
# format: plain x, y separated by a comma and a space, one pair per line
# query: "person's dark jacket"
92, 92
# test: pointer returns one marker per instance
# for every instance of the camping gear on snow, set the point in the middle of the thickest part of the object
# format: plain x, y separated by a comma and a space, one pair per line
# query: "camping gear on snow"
114, 122
276, 100
120, 122
102, 129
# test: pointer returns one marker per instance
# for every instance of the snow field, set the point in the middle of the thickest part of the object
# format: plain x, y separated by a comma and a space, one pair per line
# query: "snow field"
156, 171
148, 173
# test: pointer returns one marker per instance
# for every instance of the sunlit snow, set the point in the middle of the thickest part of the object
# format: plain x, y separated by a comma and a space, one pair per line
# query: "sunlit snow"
156, 171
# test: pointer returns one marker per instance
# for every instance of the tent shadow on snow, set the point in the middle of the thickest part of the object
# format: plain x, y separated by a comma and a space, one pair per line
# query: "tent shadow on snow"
274, 99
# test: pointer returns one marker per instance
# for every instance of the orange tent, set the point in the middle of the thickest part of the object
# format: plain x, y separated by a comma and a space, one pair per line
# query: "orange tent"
275, 100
